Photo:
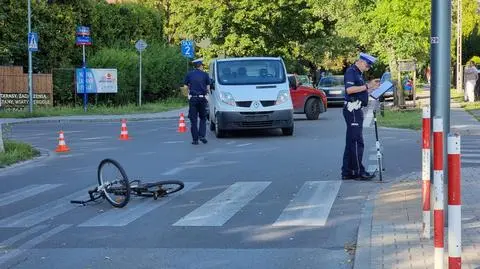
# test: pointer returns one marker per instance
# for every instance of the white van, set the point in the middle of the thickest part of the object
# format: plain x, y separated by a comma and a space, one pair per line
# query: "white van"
249, 93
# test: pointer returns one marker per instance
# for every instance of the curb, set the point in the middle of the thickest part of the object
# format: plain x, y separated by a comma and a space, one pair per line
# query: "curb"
97, 118
46, 120
44, 155
362, 258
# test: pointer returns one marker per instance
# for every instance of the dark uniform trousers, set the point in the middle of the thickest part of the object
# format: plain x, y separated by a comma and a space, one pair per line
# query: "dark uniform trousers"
352, 156
197, 110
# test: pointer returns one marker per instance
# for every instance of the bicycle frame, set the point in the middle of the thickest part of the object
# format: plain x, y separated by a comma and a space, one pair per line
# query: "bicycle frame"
99, 190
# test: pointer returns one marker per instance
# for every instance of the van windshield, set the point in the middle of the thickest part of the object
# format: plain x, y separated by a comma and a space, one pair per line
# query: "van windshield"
240, 72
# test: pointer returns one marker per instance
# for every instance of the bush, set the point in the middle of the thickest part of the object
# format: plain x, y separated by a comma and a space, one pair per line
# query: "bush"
475, 59
163, 69
16, 152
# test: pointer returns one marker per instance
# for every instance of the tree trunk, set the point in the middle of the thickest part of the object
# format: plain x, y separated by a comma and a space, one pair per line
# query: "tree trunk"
2, 148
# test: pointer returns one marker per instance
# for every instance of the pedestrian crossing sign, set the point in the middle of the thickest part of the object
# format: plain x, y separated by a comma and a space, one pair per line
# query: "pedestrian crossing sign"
32, 41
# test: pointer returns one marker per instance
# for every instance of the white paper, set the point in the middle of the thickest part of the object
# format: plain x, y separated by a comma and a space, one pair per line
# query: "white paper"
385, 86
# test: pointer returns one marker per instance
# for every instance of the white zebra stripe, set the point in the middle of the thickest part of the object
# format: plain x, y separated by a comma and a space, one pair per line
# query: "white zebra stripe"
44, 212
118, 218
221, 208
311, 206
25, 192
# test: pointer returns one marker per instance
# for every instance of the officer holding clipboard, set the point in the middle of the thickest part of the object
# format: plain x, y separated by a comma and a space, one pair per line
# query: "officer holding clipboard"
356, 97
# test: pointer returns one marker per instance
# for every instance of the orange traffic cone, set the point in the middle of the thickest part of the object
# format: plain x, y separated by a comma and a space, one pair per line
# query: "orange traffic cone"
124, 131
181, 124
62, 146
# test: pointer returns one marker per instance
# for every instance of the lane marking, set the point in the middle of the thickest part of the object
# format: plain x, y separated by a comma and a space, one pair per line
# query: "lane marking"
217, 211
44, 212
25, 192
191, 166
117, 218
372, 168
471, 161
12, 240
95, 138
244, 145
33, 242
311, 206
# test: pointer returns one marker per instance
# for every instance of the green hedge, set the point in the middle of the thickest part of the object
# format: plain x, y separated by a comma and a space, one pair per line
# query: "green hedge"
163, 69
119, 25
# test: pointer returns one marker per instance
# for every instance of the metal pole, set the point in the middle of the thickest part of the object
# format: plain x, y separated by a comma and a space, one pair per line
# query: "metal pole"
30, 88
84, 69
140, 88
440, 57
454, 203
459, 47
426, 165
438, 206
440, 87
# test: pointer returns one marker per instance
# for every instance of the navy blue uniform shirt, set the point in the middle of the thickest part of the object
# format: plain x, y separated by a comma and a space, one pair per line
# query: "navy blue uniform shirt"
197, 80
354, 77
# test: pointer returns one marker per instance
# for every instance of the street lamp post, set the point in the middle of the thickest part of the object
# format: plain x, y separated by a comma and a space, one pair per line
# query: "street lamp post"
30, 90
459, 47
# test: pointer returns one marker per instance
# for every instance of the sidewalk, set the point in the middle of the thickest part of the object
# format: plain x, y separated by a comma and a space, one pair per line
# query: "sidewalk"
390, 230
171, 114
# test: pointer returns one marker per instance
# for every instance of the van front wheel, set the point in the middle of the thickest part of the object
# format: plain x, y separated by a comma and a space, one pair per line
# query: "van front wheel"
287, 131
218, 132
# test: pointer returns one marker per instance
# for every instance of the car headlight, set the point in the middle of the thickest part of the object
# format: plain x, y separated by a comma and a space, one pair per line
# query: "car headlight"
283, 96
227, 98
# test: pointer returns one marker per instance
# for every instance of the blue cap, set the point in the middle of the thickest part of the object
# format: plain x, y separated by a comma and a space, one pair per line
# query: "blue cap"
369, 59
198, 61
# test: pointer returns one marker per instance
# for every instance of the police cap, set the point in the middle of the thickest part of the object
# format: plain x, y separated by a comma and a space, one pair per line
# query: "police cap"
198, 62
369, 59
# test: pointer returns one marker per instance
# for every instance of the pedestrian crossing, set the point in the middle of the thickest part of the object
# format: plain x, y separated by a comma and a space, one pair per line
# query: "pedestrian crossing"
310, 205
470, 151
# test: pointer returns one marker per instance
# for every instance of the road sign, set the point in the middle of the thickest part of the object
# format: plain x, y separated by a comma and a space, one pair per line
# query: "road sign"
406, 65
141, 45
188, 49
97, 80
32, 41
83, 40
83, 36
83, 30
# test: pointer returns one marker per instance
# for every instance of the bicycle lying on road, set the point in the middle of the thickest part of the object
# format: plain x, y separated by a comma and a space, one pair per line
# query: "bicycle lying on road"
118, 191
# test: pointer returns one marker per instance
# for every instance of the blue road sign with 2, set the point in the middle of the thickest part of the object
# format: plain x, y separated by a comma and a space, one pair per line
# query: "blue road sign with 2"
188, 49
32, 41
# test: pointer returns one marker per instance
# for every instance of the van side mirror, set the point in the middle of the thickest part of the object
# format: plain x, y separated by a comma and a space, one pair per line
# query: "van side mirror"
212, 84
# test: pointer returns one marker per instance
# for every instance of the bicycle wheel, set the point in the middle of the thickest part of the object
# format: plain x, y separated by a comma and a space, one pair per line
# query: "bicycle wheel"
161, 188
113, 182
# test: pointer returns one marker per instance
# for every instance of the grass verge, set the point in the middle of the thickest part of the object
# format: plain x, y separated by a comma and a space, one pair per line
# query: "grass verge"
16, 152
472, 108
169, 104
401, 118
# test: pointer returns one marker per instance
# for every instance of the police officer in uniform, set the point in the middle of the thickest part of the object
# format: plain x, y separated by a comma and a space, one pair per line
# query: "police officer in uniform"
356, 97
198, 83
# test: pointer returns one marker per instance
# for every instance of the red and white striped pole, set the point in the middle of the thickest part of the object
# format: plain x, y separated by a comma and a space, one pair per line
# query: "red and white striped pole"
426, 172
454, 203
438, 218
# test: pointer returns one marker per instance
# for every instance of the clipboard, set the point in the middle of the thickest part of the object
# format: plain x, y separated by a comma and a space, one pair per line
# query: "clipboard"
385, 86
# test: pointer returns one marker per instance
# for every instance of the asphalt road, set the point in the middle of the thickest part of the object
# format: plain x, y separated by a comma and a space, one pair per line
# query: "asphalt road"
252, 200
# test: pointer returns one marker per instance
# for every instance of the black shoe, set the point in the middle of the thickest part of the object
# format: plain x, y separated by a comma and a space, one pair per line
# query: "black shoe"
195, 142
366, 176
204, 140
348, 177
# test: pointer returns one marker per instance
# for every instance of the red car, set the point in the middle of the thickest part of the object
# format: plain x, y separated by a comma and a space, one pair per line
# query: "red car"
306, 99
